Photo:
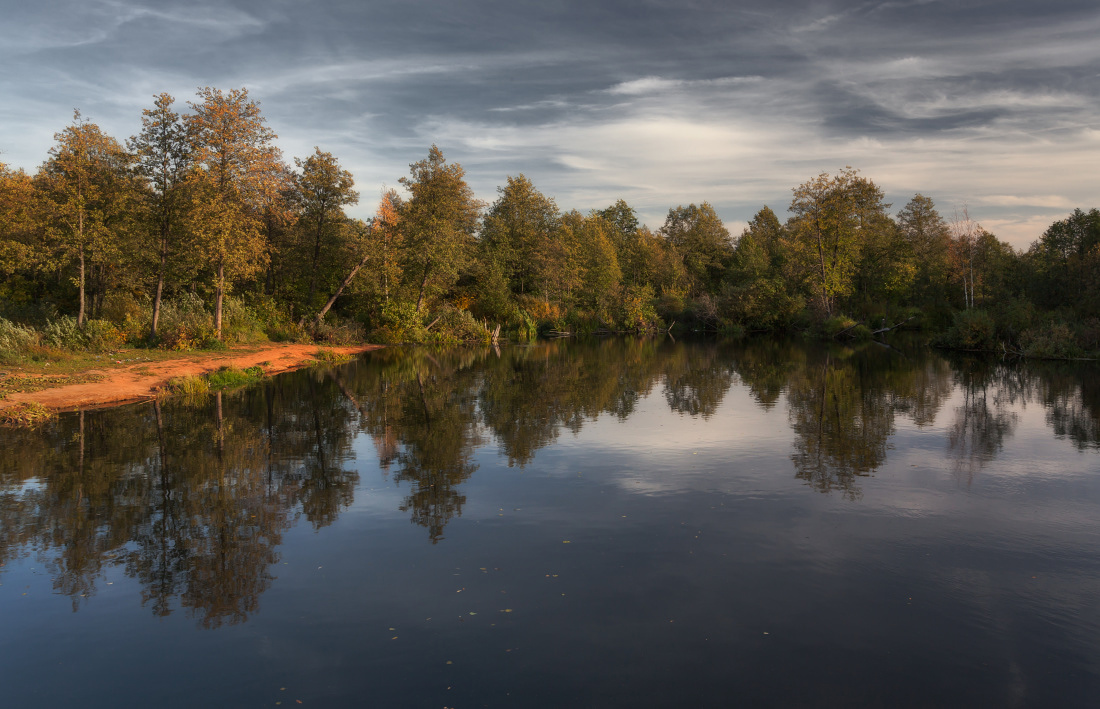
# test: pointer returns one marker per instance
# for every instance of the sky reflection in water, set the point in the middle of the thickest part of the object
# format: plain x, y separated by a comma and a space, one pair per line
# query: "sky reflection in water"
628, 522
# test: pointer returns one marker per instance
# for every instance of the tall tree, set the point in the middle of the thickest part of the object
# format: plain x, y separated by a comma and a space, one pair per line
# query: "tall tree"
832, 216
18, 227
763, 295
239, 173
439, 220
926, 232
90, 195
703, 244
163, 158
325, 189
516, 233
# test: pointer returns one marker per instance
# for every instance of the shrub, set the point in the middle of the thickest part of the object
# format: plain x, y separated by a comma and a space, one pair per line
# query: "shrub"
16, 340
399, 322
971, 330
335, 331
184, 323
240, 323
456, 326
1056, 341
331, 358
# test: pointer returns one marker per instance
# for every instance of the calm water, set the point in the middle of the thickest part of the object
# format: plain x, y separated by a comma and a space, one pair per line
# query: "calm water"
622, 523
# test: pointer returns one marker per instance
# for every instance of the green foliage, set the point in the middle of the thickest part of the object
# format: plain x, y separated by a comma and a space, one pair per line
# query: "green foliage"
95, 336
971, 330
455, 326
837, 326
16, 341
702, 244
331, 358
26, 415
223, 378
399, 322
1054, 341
439, 221
189, 385
638, 311
185, 323
833, 218
230, 377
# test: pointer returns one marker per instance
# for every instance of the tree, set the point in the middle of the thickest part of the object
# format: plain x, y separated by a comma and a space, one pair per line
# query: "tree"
90, 195
516, 233
625, 235
325, 190
762, 294
964, 241
19, 222
703, 244
832, 218
926, 232
239, 174
439, 221
163, 158
591, 267
1066, 259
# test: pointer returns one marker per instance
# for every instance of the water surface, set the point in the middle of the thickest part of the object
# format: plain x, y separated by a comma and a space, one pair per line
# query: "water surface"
616, 523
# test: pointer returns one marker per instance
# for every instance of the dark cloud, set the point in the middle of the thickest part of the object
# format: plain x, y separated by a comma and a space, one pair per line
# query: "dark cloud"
659, 102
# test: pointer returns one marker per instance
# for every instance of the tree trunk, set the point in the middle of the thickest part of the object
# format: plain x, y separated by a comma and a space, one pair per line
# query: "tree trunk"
316, 258
80, 313
423, 284
321, 314
219, 294
160, 281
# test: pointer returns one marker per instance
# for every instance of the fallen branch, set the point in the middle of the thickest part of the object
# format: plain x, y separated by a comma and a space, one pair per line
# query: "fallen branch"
888, 329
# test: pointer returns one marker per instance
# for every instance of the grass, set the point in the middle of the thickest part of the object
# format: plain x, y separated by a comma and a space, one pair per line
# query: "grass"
27, 415
223, 378
18, 383
330, 357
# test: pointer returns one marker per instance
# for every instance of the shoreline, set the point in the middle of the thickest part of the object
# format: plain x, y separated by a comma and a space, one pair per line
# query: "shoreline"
116, 386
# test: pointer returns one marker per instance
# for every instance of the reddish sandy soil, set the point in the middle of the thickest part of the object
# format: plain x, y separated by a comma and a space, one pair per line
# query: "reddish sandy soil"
120, 385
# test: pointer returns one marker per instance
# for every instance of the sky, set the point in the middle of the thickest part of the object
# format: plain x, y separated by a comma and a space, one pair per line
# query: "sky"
989, 105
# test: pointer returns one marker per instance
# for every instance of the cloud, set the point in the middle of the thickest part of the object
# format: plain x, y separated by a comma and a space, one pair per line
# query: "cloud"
660, 104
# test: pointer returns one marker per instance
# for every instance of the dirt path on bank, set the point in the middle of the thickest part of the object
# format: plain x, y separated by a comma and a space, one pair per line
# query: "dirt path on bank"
120, 384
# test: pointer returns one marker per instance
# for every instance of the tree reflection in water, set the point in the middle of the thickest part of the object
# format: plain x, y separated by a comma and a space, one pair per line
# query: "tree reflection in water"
192, 497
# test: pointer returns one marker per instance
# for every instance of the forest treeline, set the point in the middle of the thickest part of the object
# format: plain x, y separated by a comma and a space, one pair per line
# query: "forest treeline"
196, 231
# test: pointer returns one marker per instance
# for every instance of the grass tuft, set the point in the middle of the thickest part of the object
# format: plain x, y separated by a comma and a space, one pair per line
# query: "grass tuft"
329, 357
26, 415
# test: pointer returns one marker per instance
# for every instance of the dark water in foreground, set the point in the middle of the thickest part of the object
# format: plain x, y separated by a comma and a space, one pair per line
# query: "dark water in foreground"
624, 523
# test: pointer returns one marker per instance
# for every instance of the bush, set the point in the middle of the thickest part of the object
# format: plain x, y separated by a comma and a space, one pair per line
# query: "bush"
456, 326
399, 322
184, 323
240, 323
334, 331
971, 330
1056, 341
16, 341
